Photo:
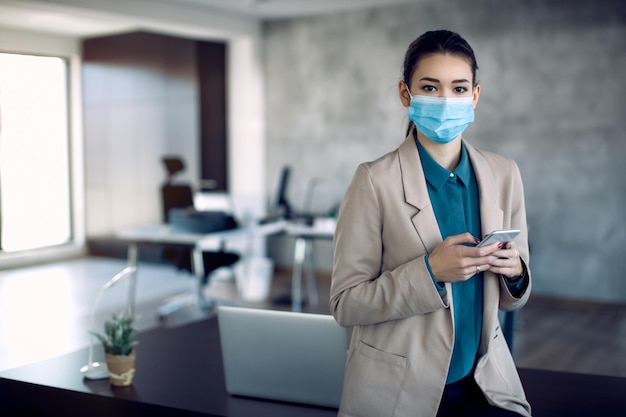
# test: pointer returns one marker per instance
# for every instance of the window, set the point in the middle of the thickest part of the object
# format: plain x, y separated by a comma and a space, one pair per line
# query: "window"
35, 200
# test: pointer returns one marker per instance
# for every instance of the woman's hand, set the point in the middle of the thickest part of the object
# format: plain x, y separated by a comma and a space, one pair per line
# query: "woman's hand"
455, 260
507, 261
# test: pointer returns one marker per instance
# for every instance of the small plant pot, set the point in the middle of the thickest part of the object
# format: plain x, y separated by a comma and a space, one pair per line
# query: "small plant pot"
121, 369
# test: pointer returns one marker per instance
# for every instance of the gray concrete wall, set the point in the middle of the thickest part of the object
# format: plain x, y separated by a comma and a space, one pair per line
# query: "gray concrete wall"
553, 98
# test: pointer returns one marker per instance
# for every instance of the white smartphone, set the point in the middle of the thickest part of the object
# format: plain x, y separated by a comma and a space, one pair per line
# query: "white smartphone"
499, 236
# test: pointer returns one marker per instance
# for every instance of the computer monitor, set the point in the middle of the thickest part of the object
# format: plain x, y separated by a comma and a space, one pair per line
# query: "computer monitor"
282, 203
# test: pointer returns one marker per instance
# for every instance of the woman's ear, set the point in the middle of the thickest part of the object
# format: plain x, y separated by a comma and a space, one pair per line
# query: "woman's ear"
476, 96
403, 92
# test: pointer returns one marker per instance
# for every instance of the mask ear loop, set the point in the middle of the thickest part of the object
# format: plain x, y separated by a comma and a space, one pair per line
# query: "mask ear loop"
407, 89
411, 126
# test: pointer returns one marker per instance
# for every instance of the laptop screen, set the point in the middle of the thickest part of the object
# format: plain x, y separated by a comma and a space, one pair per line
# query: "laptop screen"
281, 355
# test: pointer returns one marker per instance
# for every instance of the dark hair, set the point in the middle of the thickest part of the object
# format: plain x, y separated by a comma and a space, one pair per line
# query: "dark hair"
438, 41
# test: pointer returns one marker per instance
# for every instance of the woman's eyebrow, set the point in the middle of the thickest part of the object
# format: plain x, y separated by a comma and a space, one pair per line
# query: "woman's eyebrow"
435, 80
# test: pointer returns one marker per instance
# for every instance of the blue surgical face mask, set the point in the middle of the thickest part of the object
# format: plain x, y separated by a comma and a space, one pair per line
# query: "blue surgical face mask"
441, 119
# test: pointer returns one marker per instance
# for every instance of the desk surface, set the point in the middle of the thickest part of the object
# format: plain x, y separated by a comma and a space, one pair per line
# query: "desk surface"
322, 228
179, 369
163, 233
179, 372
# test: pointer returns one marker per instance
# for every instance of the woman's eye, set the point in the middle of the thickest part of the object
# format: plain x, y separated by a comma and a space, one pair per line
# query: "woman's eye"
460, 90
429, 88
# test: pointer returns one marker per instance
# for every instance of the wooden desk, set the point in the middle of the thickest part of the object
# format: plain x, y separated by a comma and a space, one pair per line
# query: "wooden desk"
179, 372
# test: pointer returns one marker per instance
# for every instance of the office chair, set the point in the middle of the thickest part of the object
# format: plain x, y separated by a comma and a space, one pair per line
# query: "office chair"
180, 196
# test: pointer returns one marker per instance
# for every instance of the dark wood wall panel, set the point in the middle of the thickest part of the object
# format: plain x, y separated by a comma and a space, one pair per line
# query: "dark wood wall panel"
139, 66
211, 58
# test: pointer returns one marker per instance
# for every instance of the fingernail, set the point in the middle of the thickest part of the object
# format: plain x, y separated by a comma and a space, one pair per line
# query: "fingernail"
476, 240
500, 245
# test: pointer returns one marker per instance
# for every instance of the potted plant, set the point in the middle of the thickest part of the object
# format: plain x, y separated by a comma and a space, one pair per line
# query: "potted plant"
119, 344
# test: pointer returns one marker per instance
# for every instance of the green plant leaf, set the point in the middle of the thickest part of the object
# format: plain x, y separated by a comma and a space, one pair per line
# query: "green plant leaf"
119, 335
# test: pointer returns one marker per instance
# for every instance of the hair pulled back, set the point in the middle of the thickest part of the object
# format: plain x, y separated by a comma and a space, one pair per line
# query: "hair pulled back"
438, 41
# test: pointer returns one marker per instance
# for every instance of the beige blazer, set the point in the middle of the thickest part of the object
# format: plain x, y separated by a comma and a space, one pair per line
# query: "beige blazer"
403, 331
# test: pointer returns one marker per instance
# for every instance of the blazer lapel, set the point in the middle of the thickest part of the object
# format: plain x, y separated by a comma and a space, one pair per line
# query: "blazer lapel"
416, 194
491, 215
491, 218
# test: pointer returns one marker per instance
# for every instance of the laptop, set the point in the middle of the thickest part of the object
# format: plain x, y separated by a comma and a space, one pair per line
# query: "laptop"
283, 355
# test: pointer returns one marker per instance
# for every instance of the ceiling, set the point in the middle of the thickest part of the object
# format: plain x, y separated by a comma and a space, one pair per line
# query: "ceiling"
76, 18
273, 9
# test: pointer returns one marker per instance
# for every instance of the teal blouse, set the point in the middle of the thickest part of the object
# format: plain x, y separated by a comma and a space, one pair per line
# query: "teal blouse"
454, 196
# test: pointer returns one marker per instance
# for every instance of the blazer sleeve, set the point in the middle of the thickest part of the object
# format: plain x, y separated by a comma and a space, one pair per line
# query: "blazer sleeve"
508, 300
363, 289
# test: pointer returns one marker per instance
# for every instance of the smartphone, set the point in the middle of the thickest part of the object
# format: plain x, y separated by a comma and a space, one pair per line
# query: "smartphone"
499, 236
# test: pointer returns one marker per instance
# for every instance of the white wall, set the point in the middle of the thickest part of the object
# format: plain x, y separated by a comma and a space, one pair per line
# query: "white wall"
246, 125
21, 41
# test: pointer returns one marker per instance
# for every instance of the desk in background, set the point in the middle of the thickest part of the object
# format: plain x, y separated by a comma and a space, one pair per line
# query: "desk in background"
305, 235
164, 235
180, 373
303, 253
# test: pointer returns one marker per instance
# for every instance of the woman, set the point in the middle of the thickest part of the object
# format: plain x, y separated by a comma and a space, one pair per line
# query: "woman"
422, 298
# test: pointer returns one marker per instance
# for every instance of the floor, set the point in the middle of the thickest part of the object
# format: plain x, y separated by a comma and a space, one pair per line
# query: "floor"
46, 311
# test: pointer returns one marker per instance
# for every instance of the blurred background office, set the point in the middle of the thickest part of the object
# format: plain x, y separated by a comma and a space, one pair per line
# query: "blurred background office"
317, 91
